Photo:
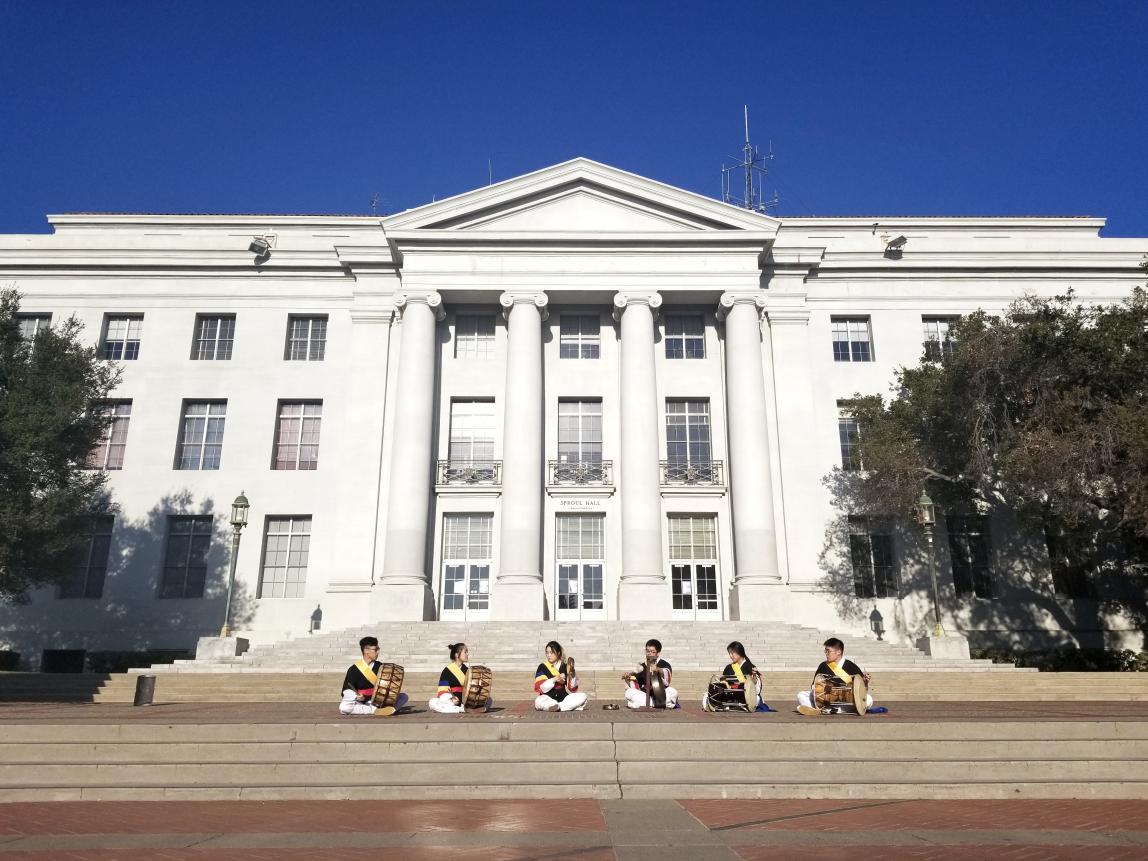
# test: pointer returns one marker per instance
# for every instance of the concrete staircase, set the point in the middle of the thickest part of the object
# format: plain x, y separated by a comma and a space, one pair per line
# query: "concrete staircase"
737, 758
422, 646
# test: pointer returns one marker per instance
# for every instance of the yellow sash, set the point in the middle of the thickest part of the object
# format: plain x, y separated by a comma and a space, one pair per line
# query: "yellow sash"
456, 671
367, 672
553, 669
840, 673
737, 672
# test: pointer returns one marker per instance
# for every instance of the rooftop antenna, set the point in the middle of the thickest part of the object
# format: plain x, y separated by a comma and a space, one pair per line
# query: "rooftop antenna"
752, 166
375, 203
489, 173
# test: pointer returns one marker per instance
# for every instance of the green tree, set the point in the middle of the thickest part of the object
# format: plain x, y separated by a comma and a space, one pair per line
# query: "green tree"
47, 429
1043, 411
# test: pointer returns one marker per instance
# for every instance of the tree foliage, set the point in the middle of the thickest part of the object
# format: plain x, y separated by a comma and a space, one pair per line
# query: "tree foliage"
47, 429
1043, 411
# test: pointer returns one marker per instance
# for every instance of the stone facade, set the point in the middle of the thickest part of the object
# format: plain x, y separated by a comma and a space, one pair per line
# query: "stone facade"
575, 394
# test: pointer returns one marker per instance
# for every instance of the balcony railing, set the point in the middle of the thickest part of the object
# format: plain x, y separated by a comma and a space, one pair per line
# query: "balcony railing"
595, 472
710, 473
469, 473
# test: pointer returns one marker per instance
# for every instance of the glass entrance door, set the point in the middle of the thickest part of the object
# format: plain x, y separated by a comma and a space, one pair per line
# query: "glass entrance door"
466, 563
580, 560
694, 581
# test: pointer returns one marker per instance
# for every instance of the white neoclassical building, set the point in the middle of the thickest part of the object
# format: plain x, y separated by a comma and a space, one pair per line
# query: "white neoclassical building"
577, 394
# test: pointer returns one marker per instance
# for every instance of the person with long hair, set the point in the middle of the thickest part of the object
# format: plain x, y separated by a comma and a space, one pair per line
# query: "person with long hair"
555, 683
728, 691
451, 695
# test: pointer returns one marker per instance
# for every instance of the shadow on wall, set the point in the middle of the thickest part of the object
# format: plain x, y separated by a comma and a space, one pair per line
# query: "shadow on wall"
1021, 608
165, 587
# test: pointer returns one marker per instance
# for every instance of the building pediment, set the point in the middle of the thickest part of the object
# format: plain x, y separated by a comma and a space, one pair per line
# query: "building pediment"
581, 197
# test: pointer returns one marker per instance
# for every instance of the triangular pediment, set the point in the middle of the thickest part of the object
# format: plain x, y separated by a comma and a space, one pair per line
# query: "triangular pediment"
580, 197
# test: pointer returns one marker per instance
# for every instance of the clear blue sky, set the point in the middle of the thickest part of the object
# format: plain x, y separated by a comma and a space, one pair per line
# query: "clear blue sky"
873, 108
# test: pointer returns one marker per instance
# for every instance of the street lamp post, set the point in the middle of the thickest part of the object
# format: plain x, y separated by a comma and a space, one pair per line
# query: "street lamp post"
927, 517
238, 521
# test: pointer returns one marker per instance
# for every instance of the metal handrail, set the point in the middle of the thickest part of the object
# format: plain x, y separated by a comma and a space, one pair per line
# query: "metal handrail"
475, 472
596, 472
697, 473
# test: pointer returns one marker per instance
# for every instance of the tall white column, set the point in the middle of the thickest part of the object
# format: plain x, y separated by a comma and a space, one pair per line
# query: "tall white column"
643, 591
404, 591
751, 479
518, 592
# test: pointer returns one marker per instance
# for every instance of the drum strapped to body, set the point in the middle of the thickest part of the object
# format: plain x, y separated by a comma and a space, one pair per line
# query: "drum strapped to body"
389, 685
722, 696
830, 692
477, 688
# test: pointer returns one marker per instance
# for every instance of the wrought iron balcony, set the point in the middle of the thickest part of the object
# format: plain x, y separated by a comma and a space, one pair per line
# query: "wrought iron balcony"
469, 473
594, 472
709, 473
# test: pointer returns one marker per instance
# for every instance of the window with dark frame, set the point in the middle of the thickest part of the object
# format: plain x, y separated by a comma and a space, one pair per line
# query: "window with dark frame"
474, 336
109, 451
214, 337
122, 334
297, 435
185, 556
91, 568
852, 339
306, 338
685, 336
849, 434
875, 572
580, 336
938, 342
971, 554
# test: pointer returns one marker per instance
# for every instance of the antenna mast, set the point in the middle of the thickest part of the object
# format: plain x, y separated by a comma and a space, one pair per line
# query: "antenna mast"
752, 165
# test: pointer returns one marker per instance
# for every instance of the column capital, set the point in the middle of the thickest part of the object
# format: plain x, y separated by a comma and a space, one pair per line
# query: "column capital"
750, 297
430, 298
513, 297
651, 298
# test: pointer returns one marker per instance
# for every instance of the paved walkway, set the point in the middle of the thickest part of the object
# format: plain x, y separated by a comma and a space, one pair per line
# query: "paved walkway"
576, 830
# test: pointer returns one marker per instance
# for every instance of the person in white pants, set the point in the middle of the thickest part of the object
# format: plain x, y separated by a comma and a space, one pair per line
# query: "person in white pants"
555, 683
359, 684
833, 665
452, 682
636, 681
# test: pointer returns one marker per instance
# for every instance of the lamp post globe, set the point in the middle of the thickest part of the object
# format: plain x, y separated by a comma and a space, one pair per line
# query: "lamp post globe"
239, 509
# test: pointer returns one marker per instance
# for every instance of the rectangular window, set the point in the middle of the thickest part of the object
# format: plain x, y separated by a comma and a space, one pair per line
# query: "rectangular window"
306, 338
201, 435
474, 336
971, 554
580, 336
471, 445
1072, 559
185, 557
122, 336
467, 556
91, 568
32, 324
849, 432
109, 451
286, 548
214, 336
688, 453
297, 435
580, 553
579, 434
938, 341
852, 339
875, 573
685, 336
693, 562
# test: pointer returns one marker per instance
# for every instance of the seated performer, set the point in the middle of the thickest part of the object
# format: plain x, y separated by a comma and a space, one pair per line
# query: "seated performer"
556, 685
451, 691
636, 681
359, 684
833, 666
728, 693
